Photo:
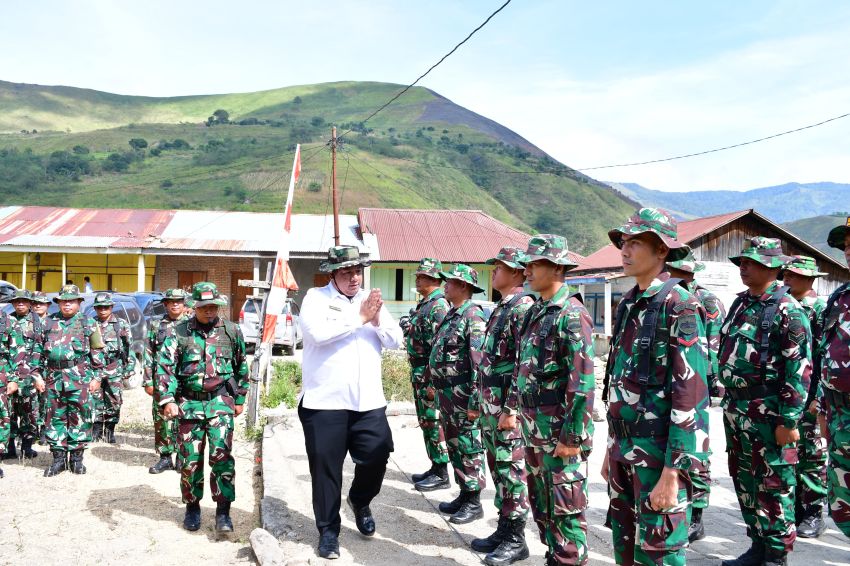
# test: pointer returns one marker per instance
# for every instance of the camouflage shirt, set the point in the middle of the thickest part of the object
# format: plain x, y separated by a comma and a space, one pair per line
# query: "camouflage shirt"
835, 344
678, 389
201, 360
813, 306
555, 352
715, 313
422, 326
788, 361
75, 340
28, 330
498, 352
157, 330
118, 358
456, 351
11, 351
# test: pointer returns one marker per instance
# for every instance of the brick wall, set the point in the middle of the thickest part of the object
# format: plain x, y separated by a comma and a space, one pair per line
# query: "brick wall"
219, 270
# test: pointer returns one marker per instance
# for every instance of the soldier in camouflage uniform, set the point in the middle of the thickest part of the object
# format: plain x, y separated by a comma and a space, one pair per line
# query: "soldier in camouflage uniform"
165, 433
202, 377
119, 364
11, 356
24, 403
715, 312
552, 391
799, 276
455, 354
765, 367
833, 373
505, 448
70, 354
419, 333
40, 304
658, 392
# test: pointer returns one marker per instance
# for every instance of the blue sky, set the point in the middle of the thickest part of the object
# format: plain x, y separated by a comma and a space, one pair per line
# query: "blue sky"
591, 83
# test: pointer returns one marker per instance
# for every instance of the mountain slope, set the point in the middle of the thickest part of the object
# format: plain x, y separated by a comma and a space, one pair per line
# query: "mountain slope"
72, 147
816, 229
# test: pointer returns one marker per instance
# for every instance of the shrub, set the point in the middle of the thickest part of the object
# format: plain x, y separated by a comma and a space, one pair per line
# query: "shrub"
395, 374
167, 184
80, 149
138, 143
314, 187
284, 386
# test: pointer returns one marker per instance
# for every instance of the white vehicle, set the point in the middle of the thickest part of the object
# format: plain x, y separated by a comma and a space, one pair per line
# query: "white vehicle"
288, 332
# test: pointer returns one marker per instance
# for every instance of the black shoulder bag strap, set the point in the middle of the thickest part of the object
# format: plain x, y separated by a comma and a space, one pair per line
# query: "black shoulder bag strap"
767, 315
609, 365
646, 338
499, 327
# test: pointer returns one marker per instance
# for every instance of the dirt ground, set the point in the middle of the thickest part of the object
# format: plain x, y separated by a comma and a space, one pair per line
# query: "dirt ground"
118, 512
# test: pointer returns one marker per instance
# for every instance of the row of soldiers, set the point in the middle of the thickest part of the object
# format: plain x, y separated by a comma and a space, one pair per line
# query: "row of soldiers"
518, 389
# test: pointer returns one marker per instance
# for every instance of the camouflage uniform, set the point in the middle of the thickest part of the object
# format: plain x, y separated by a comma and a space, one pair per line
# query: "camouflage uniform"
552, 389
25, 407
119, 363
419, 333
662, 423
40, 297
204, 371
759, 397
456, 352
9, 357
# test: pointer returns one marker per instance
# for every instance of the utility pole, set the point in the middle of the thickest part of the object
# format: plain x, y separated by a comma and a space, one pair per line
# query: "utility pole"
333, 186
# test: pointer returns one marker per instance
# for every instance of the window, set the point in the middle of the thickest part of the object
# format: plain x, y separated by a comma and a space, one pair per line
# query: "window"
399, 284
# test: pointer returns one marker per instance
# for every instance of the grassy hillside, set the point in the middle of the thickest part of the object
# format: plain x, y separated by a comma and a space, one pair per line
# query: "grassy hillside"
72, 147
816, 229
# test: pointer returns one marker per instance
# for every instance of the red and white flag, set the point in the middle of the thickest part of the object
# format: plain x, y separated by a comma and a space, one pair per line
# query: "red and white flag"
282, 279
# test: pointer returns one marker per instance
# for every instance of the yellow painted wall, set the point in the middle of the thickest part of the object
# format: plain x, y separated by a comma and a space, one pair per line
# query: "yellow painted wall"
97, 266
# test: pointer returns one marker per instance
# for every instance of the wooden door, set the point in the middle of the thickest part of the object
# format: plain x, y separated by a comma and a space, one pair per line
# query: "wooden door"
238, 294
185, 279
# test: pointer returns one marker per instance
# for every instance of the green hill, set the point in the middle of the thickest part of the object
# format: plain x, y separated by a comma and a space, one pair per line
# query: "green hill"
816, 229
72, 147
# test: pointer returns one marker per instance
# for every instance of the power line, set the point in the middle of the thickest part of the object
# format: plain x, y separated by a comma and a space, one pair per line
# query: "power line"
432, 67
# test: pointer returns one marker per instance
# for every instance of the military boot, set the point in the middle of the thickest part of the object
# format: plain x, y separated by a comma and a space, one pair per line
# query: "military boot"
26, 449
97, 432
752, 557
812, 524
438, 480
223, 524
512, 548
490, 543
109, 432
451, 507
696, 530
426, 474
470, 508
163, 464
59, 465
11, 450
192, 519
76, 463
774, 558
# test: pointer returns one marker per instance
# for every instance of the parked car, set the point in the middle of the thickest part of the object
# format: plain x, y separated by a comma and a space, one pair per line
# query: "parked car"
288, 332
151, 304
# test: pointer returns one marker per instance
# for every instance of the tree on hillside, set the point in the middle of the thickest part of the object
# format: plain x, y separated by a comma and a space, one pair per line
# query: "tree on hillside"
138, 143
219, 117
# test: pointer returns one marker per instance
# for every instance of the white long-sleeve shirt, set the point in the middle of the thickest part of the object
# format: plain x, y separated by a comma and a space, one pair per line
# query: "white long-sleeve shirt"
341, 369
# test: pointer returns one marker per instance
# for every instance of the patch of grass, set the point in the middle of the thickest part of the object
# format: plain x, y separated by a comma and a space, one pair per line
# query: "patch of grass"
395, 371
284, 386
255, 433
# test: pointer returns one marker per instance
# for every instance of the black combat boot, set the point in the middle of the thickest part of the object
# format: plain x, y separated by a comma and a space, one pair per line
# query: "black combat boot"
774, 558
26, 449
753, 557
109, 432
223, 524
512, 548
11, 450
76, 463
163, 464
470, 509
59, 465
696, 530
812, 524
192, 519
426, 474
438, 480
490, 543
97, 432
451, 507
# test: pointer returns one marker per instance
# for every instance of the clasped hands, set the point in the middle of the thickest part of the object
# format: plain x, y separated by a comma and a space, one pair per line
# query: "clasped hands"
370, 308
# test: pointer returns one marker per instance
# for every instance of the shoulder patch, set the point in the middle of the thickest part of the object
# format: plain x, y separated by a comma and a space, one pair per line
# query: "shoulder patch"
796, 330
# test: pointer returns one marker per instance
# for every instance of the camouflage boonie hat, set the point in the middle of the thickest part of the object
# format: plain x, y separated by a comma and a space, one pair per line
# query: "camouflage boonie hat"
837, 235
103, 300
510, 256
206, 293
24, 294
68, 293
463, 272
688, 264
766, 251
342, 256
430, 267
174, 295
40, 297
803, 265
550, 247
655, 221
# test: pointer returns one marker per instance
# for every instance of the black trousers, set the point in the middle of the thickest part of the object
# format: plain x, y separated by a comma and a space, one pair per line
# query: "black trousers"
329, 435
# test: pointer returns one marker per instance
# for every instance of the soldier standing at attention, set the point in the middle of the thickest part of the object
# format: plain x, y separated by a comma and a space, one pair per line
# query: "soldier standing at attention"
834, 375
656, 382
119, 362
812, 451
202, 381
765, 367
40, 304
9, 356
25, 407
715, 312
552, 390
419, 333
71, 357
455, 355
165, 435
491, 384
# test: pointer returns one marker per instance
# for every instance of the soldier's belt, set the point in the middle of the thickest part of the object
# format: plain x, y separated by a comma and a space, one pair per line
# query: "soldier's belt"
836, 398
754, 392
495, 380
201, 395
622, 428
543, 398
444, 382
64, 364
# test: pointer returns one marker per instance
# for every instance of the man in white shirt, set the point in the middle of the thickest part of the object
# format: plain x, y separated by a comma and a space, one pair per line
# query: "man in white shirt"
342, 406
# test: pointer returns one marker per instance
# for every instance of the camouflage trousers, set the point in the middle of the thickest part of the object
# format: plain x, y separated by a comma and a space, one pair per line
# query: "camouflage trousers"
463, 438
24, 414
164, 430
506, 460
838, 420
641, 534
428, 416
764, 475
107, 400
68, 420
192, 438
4, 418
812, 464
701, 480
42, 408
